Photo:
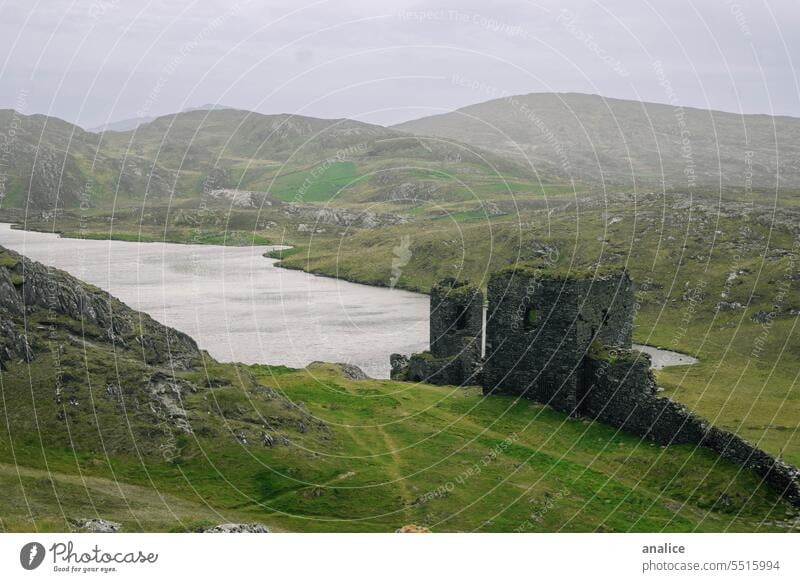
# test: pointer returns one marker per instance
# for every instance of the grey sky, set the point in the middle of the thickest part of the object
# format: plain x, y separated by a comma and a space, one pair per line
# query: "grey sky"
90, 61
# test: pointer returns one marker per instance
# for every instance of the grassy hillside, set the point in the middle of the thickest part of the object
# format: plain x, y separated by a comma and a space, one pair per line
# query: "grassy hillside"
619, 143
389, 454
521, 148
187, 157
99, 424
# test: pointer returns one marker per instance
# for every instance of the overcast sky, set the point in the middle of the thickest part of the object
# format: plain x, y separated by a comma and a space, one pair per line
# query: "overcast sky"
93, 61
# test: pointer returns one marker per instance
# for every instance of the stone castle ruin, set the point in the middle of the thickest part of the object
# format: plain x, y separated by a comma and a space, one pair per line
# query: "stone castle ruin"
564, 339
456, 336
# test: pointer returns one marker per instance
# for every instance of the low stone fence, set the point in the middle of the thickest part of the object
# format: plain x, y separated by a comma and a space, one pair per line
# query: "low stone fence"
623, 394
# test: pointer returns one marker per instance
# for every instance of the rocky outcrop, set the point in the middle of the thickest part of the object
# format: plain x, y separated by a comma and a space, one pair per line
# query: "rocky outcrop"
352, 372
28, 287
398, 364
241, 198
109, 380
13, 341
167, 395
96, 525
341, 217
238, 528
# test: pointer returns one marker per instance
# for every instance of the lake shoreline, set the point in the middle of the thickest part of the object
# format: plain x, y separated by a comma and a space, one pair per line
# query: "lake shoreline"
237, 304
660, 358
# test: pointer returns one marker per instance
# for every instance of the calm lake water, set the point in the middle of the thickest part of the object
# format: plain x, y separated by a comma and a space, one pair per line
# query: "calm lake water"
241, 308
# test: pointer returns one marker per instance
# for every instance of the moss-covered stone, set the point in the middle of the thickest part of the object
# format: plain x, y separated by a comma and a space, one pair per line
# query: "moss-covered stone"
8, 260
533, 269
612, 355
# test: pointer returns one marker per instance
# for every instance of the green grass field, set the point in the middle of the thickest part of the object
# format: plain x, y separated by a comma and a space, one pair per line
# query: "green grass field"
379, 455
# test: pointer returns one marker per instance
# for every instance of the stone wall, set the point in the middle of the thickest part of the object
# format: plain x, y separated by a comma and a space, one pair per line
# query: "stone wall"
455, 371
564, 339
456, 320
623, 394
456, 334
541, 324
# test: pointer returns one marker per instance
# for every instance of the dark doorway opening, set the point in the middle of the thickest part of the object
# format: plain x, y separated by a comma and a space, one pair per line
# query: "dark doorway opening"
462, 321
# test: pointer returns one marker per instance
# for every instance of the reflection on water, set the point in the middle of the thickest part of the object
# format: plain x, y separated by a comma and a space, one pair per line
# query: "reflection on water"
238, 305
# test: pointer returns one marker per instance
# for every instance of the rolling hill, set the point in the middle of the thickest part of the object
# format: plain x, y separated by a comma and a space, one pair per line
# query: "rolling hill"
629, 144
186, 156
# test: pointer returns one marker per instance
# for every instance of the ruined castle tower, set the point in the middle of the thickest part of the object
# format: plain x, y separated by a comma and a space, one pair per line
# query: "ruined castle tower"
563, 338
456, 334
456, 320
542, 324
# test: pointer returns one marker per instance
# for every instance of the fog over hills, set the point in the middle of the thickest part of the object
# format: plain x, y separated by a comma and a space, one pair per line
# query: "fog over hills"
615, 142
134, 122
53, 163
510, 144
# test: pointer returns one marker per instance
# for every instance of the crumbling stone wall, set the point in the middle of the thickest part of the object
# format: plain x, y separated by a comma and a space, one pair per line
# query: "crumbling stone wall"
564, 339
623, 394
456, 334
541, 324
456, 319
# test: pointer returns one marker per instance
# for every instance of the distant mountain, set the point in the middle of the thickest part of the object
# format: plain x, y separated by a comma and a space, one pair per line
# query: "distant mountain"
134, 122
121, 125
207, 107
55, 164
621, 143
